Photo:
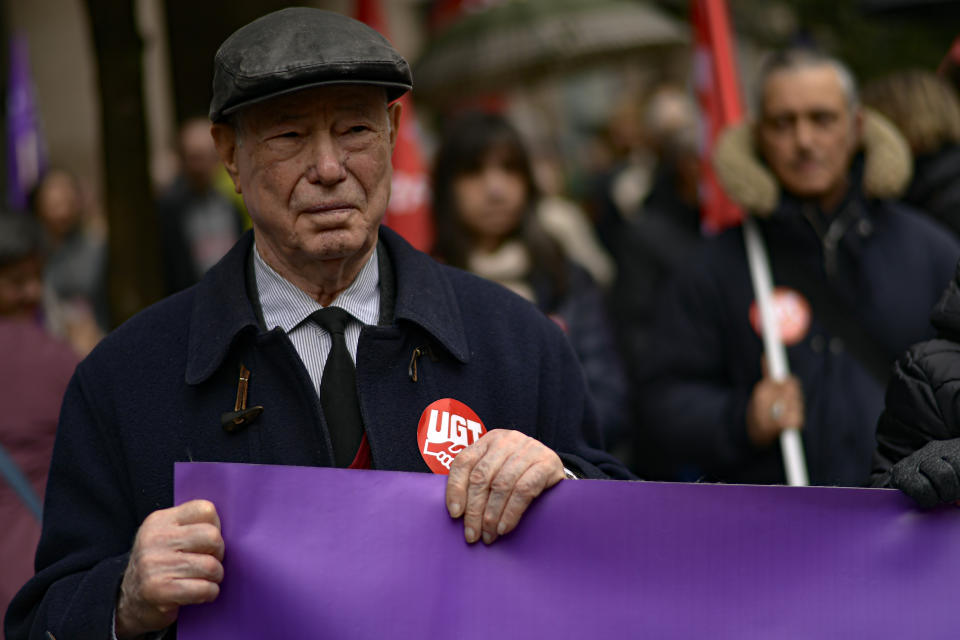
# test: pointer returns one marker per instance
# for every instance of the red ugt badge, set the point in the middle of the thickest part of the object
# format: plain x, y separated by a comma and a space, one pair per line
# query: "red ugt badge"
446, 428
792, 313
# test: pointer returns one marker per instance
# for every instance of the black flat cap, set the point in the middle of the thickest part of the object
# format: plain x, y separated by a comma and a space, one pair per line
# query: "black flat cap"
298, 48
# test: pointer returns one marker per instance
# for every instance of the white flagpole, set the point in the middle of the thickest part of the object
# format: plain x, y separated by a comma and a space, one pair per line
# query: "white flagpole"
790, 444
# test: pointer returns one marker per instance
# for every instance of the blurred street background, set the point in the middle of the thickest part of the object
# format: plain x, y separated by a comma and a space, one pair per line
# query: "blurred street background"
113, 81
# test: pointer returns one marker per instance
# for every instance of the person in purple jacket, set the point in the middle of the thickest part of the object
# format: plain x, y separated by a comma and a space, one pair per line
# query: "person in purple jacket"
453, 374
35, 372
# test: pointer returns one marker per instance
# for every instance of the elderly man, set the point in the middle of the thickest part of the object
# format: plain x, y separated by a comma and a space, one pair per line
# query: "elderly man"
256, 363
856, 276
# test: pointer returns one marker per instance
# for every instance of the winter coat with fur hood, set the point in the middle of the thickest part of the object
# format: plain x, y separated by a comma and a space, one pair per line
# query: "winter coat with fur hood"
885, 261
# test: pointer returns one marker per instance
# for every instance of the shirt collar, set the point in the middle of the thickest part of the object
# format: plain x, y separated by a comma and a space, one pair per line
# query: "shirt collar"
224, 303
285, 305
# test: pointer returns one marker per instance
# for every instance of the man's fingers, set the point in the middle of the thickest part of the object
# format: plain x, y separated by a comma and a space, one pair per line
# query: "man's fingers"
502, 487
201, 538
531, 484
204, 567
787, 410
194, 591
156, 570
478, 488
176, 559
457, 481
196, 511
163, 537
492, 485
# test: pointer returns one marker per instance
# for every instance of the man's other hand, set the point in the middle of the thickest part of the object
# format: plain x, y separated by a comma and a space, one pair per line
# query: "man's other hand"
176, 559
931, 474
494, 480
774, 406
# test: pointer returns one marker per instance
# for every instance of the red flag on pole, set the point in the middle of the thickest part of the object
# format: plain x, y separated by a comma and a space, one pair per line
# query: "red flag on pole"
409, 210
718, 92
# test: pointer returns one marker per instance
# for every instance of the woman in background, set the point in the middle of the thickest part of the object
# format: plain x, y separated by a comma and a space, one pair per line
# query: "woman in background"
484, 206
926, 109
75, 253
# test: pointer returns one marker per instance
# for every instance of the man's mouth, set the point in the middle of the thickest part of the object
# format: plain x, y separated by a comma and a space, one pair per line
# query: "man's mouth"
806, 165
328, 207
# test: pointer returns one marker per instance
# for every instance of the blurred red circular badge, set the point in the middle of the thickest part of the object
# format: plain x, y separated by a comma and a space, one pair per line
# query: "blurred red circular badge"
792, 312
446, 428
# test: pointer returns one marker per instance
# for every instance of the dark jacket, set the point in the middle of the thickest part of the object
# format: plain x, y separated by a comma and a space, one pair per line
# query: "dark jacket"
889, 264
179, 207
152, 393
935, 187
921, 401
653, 245
580, 309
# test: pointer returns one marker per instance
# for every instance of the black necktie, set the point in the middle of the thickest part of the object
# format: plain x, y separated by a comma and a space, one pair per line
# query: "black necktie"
338, 388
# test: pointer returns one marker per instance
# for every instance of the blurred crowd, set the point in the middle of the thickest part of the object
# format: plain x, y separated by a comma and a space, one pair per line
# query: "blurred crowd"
858, 198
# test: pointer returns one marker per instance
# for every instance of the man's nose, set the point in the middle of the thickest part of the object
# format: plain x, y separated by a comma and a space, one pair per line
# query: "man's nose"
803, 134
327, 162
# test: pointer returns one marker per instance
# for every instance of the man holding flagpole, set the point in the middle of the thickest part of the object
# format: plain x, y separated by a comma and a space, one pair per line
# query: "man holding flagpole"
854, 275
321, 339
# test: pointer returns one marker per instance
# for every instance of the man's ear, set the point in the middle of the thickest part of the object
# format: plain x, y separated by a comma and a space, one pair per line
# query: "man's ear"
393, 113
226, 141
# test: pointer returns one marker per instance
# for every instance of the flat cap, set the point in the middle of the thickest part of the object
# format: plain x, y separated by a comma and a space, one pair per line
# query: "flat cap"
298, 48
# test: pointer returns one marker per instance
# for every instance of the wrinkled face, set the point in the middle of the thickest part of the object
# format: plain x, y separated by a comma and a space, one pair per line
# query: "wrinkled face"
314, 170
491, 200
807, 132
21, 287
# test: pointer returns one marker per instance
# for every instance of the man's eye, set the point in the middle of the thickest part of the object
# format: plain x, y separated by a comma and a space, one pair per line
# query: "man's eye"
824, 118
359, 128
289, 134
782, 123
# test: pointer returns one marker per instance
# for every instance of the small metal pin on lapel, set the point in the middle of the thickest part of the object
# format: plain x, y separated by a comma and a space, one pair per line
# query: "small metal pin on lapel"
240, 416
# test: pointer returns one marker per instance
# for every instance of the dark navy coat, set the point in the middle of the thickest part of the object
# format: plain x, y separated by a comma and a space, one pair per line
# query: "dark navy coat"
152, 393
889, 264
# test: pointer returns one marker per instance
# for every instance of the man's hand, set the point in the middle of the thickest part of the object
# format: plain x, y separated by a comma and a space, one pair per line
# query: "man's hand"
931, 474
176, 560
493, 481
773, 407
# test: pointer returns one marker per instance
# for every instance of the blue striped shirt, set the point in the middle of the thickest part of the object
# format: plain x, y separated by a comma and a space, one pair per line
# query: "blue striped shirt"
286, 306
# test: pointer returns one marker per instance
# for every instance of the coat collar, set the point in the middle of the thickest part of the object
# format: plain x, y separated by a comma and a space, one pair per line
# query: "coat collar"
223, 306
425, 295
748, 182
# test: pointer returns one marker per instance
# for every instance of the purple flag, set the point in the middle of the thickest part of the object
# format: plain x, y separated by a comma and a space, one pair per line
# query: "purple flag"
26, 158
314, 552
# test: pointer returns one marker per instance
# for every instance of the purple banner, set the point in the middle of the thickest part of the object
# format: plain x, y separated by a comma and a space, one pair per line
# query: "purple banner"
334, 553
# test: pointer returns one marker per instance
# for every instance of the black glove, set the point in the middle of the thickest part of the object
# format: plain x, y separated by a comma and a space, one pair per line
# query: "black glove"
930, 475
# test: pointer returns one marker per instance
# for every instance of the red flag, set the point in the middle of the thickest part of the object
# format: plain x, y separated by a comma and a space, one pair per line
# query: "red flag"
409, 210
443, 14
718, 92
